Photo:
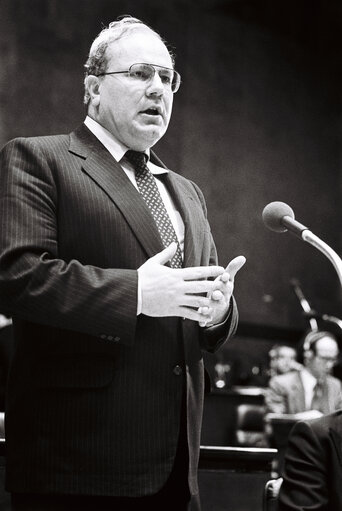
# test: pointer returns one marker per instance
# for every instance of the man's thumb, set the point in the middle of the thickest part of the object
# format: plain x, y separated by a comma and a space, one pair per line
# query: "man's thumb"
165, 255
235, 265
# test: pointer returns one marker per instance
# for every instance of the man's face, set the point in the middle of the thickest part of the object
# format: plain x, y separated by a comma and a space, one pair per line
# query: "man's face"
286, 357
124, 102
325, 358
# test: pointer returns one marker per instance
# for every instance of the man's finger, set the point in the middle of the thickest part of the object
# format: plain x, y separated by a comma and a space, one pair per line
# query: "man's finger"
165, 255
217, 295
201, 272
235, 265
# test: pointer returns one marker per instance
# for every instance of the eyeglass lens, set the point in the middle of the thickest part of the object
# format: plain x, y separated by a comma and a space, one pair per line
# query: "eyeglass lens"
145, 72
330, 360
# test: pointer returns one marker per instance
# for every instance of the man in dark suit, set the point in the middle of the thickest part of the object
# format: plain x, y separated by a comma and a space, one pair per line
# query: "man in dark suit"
313, 466
109, 270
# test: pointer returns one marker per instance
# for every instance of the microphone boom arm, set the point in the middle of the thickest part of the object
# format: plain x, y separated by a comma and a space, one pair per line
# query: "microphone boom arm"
305, 304
279, 217
333, 257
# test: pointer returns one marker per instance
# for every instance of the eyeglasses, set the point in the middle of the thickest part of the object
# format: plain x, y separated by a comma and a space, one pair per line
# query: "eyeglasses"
145, 72
327, 360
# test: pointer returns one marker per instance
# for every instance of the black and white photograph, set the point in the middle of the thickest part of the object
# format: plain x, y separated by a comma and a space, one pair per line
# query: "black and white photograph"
170, 255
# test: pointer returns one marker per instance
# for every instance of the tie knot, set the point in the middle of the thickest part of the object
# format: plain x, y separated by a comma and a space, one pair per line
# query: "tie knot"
137, 159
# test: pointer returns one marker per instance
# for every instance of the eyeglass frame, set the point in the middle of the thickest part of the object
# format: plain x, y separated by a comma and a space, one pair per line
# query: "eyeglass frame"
327, 360
153, 66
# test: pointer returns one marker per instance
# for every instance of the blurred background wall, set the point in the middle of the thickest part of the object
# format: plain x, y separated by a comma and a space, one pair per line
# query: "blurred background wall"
257, 119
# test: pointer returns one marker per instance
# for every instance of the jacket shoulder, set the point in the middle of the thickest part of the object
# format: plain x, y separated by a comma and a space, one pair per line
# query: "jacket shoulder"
285, 379
41, 148
39, 141
334, 382
322, 425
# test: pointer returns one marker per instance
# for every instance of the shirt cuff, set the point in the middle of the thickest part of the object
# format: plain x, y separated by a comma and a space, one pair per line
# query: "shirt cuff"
228, 313
139, 300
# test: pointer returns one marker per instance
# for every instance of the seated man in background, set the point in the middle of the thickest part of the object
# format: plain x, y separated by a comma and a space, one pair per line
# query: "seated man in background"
283, 359
311, 387
312, 468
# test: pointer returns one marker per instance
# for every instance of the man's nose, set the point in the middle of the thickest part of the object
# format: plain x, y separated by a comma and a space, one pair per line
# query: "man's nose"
155, 86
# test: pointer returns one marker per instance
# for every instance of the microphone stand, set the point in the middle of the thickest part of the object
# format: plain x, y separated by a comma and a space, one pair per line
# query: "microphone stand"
305, 305
325, 317
333, 257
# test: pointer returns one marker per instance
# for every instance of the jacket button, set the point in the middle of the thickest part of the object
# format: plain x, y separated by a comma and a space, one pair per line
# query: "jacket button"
103, 336
177, 370
116, 339
110, 337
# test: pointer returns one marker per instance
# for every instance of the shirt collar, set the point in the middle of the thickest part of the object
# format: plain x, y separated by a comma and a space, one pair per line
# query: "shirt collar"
116, 148
308, 377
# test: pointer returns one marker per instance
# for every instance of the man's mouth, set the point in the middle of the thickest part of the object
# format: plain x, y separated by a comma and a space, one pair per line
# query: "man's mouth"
151, 111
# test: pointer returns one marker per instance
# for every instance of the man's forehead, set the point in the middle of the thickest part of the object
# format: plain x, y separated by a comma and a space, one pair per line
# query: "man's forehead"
326, 345
286, 352
139, 45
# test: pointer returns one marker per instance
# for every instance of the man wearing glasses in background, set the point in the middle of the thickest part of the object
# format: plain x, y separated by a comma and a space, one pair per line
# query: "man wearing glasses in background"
110, 273
310, 387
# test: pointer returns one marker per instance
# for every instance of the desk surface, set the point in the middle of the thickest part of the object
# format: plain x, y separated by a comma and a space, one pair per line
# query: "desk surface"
247, 459
239, 390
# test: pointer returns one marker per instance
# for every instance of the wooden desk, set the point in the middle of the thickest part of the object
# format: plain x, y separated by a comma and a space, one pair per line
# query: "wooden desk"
5, 500
230, 478
234, 478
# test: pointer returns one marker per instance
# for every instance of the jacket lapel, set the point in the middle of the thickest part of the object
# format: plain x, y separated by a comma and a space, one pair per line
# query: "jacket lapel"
99, 164
336, 433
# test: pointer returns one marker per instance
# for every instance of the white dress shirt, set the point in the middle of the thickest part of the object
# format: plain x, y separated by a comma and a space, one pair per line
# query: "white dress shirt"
117, 149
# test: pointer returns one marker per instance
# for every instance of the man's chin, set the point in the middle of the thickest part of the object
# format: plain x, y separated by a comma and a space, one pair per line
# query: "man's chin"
147, 136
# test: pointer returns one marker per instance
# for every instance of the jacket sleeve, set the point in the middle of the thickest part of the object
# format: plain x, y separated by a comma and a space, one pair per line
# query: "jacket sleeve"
305, 481
338, 403
35, 283
212, 338
276, 397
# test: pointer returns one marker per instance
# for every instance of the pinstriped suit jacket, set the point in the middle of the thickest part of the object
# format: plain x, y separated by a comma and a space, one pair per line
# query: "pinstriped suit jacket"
93, 401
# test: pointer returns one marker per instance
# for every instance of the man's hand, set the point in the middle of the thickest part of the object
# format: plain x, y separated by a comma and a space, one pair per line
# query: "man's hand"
220, 297
177, 292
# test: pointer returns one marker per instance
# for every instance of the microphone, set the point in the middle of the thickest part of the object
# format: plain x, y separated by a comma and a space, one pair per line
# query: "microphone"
279, 217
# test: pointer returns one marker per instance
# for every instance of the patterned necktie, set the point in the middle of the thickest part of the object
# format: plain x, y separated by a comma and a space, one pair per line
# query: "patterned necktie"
149, 191
317, 399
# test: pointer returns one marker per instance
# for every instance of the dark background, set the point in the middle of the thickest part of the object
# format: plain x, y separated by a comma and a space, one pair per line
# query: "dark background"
257, 119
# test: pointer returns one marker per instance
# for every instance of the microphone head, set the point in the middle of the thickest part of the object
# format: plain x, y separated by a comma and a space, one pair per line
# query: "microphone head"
273, 213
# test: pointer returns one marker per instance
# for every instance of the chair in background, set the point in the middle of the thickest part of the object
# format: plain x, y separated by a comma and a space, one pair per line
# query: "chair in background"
250, 427
271, 493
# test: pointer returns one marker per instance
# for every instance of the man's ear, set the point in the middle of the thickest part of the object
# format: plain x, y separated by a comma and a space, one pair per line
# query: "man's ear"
308, 355
92, 83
